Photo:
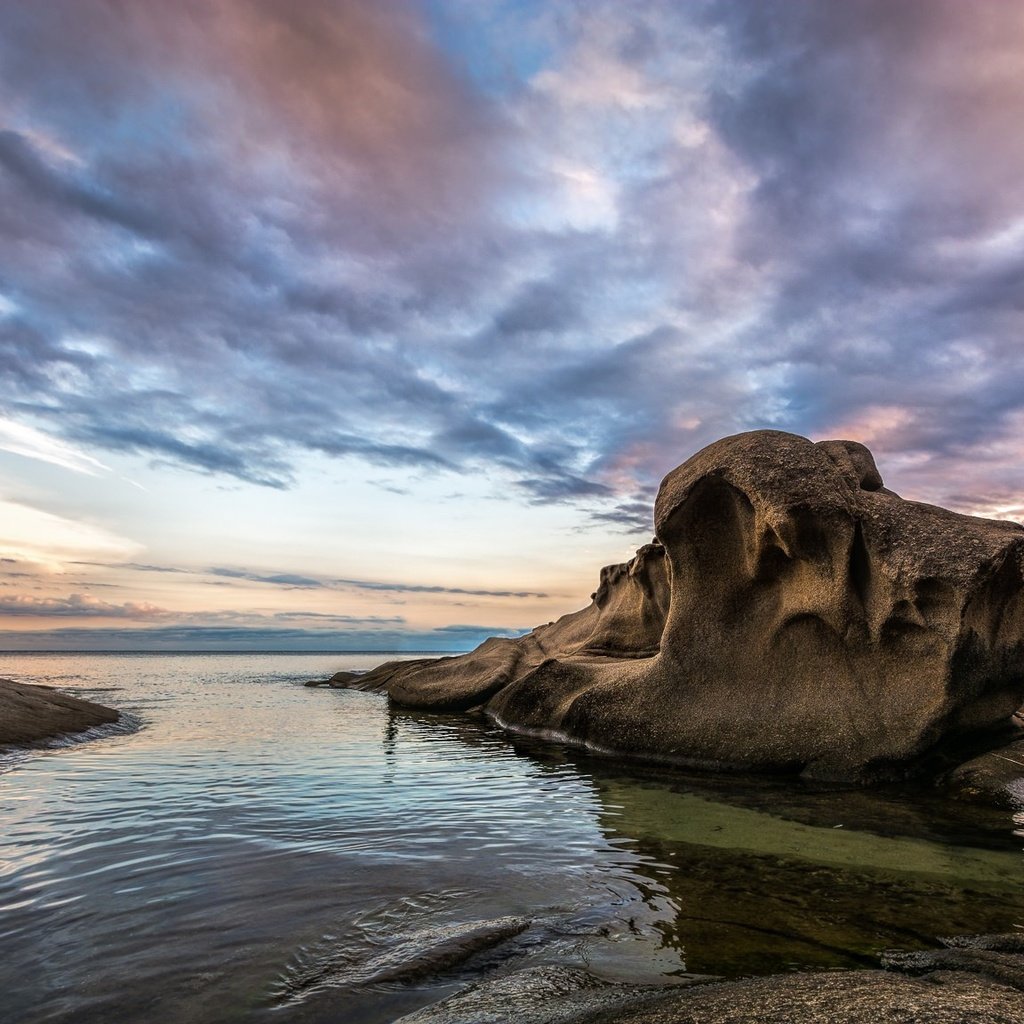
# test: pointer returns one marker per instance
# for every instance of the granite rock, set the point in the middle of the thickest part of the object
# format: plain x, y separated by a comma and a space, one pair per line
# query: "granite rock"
792, 614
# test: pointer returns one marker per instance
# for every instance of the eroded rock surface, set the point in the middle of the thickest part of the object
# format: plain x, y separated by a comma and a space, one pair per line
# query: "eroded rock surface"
792, 615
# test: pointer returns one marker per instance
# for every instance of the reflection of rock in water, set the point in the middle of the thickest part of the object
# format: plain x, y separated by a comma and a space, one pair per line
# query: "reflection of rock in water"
756, 893
745, 875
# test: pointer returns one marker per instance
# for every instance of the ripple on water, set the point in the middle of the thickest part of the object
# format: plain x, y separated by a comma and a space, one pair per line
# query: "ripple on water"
260, 849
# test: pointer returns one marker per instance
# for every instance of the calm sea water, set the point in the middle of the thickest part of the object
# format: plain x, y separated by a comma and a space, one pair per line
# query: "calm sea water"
252, 850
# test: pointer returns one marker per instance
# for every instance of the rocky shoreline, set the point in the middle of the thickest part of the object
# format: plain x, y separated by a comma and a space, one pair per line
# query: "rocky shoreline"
31, 713
791, 616
853, 997
974, 979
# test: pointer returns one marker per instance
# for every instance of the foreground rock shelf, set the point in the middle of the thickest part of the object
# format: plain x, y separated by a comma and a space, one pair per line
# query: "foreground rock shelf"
792, 615
981, 981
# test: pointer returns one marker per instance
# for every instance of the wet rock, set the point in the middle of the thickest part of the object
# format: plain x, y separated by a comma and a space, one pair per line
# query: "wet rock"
793, 615
995, 779
998, 957
30, 713
537, 995
343, 680
428, 951
339, 681
1010, 942
977, 979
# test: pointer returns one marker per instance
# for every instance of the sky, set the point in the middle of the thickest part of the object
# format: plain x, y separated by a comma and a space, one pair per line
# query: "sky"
374, 326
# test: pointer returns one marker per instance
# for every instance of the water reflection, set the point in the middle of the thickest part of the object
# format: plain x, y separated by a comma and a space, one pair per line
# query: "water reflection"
761, 875
255, 832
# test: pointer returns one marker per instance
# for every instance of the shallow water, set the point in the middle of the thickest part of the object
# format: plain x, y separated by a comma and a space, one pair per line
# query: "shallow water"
258, 850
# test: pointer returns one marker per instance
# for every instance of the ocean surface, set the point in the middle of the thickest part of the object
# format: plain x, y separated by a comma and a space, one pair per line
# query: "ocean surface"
243, 848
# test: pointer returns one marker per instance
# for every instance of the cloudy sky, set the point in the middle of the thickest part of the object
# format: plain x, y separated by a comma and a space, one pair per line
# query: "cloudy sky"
345, 324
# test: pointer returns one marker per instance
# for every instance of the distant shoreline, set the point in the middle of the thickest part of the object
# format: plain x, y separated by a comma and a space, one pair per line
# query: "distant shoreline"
194, 650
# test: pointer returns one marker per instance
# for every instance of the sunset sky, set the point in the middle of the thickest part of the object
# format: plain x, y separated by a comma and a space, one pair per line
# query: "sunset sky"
352, 324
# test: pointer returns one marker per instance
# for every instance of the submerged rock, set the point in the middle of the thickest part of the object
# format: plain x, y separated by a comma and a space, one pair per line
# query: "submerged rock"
407, 958
30, 713
791, 615
997, 957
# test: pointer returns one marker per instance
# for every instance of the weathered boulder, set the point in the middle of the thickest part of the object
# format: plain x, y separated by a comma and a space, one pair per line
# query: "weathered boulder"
792, 615
30, 713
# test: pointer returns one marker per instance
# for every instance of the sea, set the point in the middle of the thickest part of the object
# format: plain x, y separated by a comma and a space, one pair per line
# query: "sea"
241, 847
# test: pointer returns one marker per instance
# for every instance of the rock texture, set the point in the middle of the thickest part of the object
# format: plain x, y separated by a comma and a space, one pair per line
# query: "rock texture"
978, 979
792, 615
860, 997
548, 994
30, 713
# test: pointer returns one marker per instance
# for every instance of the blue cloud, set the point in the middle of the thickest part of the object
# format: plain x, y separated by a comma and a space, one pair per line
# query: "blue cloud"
241, 638
653, 225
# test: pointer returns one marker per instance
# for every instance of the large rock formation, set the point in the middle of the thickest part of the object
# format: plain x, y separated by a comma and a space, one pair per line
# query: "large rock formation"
792, 615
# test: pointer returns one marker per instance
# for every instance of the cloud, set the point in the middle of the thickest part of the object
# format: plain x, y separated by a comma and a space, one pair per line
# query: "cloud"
143, 567
86, 606
77, 606
235, 235
42, 181
46, 538
243, 638
417, 588
485, 630
278, 579
34, 444
633, 516
297, 581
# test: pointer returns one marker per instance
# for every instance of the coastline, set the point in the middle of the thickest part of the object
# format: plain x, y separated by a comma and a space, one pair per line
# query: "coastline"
29, 713
952, 996
975, 978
